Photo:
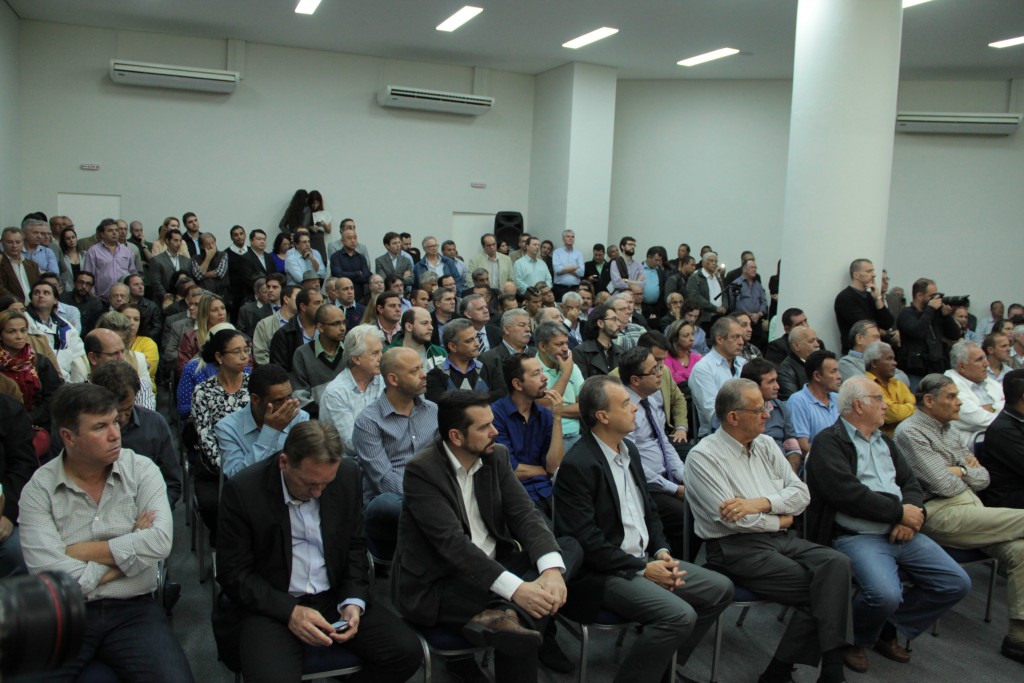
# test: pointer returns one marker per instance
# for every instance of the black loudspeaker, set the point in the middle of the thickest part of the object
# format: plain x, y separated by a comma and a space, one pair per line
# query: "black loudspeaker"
508, 226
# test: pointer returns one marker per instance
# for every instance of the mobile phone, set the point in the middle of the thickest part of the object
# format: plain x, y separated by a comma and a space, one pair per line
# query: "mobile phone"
340, 626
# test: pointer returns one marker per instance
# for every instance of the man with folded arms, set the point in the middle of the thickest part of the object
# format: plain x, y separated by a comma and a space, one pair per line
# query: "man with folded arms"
744, 495
601, 498
951, 477
474, 554
867, 504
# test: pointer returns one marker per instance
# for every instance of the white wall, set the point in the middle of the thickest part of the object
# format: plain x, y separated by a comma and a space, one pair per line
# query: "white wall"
300, 118
10, 206
704, 162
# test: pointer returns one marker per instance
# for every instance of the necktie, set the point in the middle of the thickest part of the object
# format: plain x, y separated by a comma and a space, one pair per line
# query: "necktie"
656, 432
482, 339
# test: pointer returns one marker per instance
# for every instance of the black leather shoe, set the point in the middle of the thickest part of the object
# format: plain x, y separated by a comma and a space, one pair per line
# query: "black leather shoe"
466, 670
502, 630
551, 656
1013, 649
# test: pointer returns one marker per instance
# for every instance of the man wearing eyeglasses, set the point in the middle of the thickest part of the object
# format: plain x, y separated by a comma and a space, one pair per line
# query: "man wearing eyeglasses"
641, 374
744, 496
103, 346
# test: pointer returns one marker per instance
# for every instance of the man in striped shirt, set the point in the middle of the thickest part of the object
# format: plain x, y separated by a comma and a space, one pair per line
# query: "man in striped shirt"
744, 495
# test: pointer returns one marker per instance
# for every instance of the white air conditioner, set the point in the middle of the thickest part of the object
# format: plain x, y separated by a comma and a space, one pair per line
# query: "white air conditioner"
168, 76
957, 124
434, 100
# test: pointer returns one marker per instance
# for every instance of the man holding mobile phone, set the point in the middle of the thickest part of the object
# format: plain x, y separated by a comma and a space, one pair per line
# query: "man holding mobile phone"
293, 561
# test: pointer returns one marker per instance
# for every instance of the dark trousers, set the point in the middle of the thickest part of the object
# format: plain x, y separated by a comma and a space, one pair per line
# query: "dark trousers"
677, 524
271, 653
462, 600
208, 500
784, 568
559, 290
133, 638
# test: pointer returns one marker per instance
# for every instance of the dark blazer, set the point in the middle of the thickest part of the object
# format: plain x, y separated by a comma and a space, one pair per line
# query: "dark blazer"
17, 454
494, 335
254, 539
591, 361
921, 348
601, 281
434, 541
1003, 455
697, 291
492, 362
852, 306
587, 509
284, 342
161, 269
9, 283
250, 314
835, 487
91, 309
354, 315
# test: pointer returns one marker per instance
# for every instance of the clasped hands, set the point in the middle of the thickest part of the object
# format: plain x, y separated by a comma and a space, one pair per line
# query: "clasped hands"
543, 596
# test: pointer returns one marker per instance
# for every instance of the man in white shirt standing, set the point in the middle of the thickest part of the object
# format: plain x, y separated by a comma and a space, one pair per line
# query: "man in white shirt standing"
568, 264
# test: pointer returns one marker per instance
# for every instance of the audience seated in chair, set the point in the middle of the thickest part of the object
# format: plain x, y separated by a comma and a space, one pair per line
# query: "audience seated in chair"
357, 386
1002, 452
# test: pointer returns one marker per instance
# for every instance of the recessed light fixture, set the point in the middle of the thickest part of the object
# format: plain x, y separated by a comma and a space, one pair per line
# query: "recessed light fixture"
708, 56
911, 3
1009, 42
459, 18
591, 37
307, 6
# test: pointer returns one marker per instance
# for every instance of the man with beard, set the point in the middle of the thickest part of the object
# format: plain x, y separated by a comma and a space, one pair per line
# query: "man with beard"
627, 273
417, 330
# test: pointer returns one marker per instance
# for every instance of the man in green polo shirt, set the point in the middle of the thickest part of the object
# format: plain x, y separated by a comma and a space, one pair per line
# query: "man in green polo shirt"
563, 376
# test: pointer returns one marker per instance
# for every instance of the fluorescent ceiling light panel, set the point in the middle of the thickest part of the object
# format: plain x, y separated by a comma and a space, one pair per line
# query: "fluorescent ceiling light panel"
1009, 42
911, 3
708, 56
307, 6
459, 18
591, 37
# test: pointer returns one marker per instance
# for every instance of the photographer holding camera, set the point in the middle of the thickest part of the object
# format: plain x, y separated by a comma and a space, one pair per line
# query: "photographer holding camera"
922, 326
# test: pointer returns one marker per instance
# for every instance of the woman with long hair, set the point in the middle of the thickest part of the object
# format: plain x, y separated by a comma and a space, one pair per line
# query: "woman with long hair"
70, 259
319, 223
370, 314
210, 311
681, 356
141, 344
159, 245
297, 214
34, 374
282, 243
216, 397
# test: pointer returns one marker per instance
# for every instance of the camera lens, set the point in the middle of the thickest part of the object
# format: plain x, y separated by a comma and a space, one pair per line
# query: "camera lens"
42, 622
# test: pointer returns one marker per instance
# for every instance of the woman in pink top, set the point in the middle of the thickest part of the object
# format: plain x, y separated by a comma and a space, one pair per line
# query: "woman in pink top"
681, 358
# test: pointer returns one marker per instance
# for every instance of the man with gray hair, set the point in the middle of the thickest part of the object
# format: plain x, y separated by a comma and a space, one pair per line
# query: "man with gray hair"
880, 364
867, 504
706, 289
951, 477
36, 231
1017, 350
461, 369
574, 317
862, 333
568, 264
721, 364
744, 495
515, 338
803, 341
981, 396
474, 309
358, 385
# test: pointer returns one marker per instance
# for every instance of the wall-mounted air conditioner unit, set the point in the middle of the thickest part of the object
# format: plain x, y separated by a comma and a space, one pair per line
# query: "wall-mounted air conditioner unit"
434, 100
956, 123
127, 72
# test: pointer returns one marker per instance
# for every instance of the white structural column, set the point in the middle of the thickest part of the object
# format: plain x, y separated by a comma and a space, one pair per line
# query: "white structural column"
845, 80
571, 158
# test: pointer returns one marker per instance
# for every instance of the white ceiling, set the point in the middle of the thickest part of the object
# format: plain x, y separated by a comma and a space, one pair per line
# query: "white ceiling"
942, 39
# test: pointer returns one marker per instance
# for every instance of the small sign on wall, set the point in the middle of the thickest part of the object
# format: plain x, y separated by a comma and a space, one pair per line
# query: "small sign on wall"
90, 167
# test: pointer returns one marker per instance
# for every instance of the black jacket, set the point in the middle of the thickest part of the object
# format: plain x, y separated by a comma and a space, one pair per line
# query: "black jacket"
1002, 453
792, 376
492, 361
254, 539
284, 342
589, 357
601, 281
921, 348
587, 509
17, 453
434, 538
835, 487
852, 306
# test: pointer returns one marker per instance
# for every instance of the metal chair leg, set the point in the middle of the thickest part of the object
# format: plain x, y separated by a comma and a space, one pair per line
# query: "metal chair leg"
718, 649
743, 617
584, 642
991, 590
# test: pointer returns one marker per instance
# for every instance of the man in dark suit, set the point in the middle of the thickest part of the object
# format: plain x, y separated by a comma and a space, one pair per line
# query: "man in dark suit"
393, 261
474, 553
602, 499
292, 560
515, 338
301, 329
167, 263
598, 271
12, 266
